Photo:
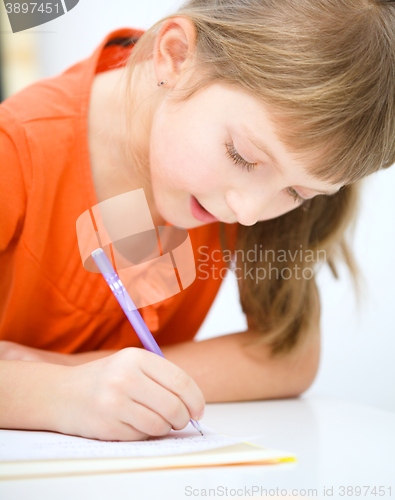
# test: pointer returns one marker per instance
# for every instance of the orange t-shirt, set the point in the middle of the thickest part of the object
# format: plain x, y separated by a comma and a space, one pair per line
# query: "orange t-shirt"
47, 299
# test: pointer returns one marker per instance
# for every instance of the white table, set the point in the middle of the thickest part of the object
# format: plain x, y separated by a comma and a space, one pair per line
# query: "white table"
338, 443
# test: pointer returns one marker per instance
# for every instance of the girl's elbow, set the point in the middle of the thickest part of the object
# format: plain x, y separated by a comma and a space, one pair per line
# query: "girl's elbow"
308, 366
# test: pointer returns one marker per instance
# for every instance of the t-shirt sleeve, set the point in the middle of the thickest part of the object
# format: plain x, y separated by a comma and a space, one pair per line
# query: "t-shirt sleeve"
12, 186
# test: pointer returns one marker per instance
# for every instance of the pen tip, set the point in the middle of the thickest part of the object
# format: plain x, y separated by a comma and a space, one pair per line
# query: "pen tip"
199, 428
196, 424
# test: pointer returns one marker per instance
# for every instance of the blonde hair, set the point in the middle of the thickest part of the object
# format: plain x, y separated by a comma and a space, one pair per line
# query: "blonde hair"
326, 71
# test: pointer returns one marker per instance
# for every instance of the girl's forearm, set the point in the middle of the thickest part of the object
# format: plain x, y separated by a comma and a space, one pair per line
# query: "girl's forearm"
237, 368
11, 351
30, 395
228, 369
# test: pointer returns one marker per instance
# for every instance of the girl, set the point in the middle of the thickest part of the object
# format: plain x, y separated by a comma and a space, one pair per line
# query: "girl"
250, 123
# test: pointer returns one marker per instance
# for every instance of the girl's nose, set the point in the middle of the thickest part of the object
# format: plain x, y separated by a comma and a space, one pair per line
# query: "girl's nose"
248, 207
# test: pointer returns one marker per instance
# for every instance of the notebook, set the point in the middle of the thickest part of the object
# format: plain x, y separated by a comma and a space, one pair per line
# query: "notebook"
28, 454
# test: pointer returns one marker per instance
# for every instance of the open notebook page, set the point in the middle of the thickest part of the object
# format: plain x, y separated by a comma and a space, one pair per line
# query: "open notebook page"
28, 454
33, 445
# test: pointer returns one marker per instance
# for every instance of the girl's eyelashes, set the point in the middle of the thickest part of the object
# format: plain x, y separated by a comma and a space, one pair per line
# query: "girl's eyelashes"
295, 195
239, 160
236, 158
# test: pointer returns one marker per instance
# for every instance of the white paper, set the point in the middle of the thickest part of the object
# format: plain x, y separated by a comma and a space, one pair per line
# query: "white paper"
32, 445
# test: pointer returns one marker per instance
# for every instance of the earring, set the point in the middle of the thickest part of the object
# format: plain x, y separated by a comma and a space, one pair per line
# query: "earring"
162, 83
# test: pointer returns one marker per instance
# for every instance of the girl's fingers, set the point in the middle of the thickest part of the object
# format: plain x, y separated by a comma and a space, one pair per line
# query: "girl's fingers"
144, 420
124, 432
164, 403
172, 378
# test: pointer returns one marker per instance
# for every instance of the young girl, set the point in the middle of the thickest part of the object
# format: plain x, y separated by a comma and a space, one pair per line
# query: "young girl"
250, 123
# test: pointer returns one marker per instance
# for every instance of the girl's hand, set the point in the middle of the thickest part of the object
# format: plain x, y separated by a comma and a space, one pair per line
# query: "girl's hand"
127, 396
11, 351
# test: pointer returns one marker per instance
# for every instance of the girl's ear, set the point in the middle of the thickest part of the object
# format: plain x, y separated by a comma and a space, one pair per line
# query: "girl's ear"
174, 49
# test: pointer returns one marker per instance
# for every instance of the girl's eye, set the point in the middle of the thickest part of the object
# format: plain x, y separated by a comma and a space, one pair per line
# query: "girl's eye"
295, 195
236, 158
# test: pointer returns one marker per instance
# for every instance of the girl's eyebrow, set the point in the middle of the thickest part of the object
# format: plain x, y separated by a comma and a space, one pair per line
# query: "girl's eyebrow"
262, 146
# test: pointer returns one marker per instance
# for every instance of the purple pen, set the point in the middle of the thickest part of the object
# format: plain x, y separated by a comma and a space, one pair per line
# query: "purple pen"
129, 308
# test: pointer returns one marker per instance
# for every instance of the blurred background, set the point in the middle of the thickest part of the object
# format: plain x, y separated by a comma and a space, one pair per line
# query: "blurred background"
358, 343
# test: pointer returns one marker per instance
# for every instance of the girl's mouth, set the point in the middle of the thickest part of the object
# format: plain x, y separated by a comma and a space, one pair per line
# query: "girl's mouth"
201, 213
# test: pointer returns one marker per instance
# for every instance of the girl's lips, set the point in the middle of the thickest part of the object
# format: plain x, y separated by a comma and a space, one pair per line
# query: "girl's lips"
201, 213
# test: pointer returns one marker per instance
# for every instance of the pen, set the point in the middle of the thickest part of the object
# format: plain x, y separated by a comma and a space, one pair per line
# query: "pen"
129, 308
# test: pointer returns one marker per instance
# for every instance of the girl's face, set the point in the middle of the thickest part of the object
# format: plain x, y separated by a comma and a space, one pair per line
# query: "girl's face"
219, 149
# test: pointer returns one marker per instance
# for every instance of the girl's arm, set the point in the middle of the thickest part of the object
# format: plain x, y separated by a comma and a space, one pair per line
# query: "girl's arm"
236, 368
225, 368
11, 351
228, 368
